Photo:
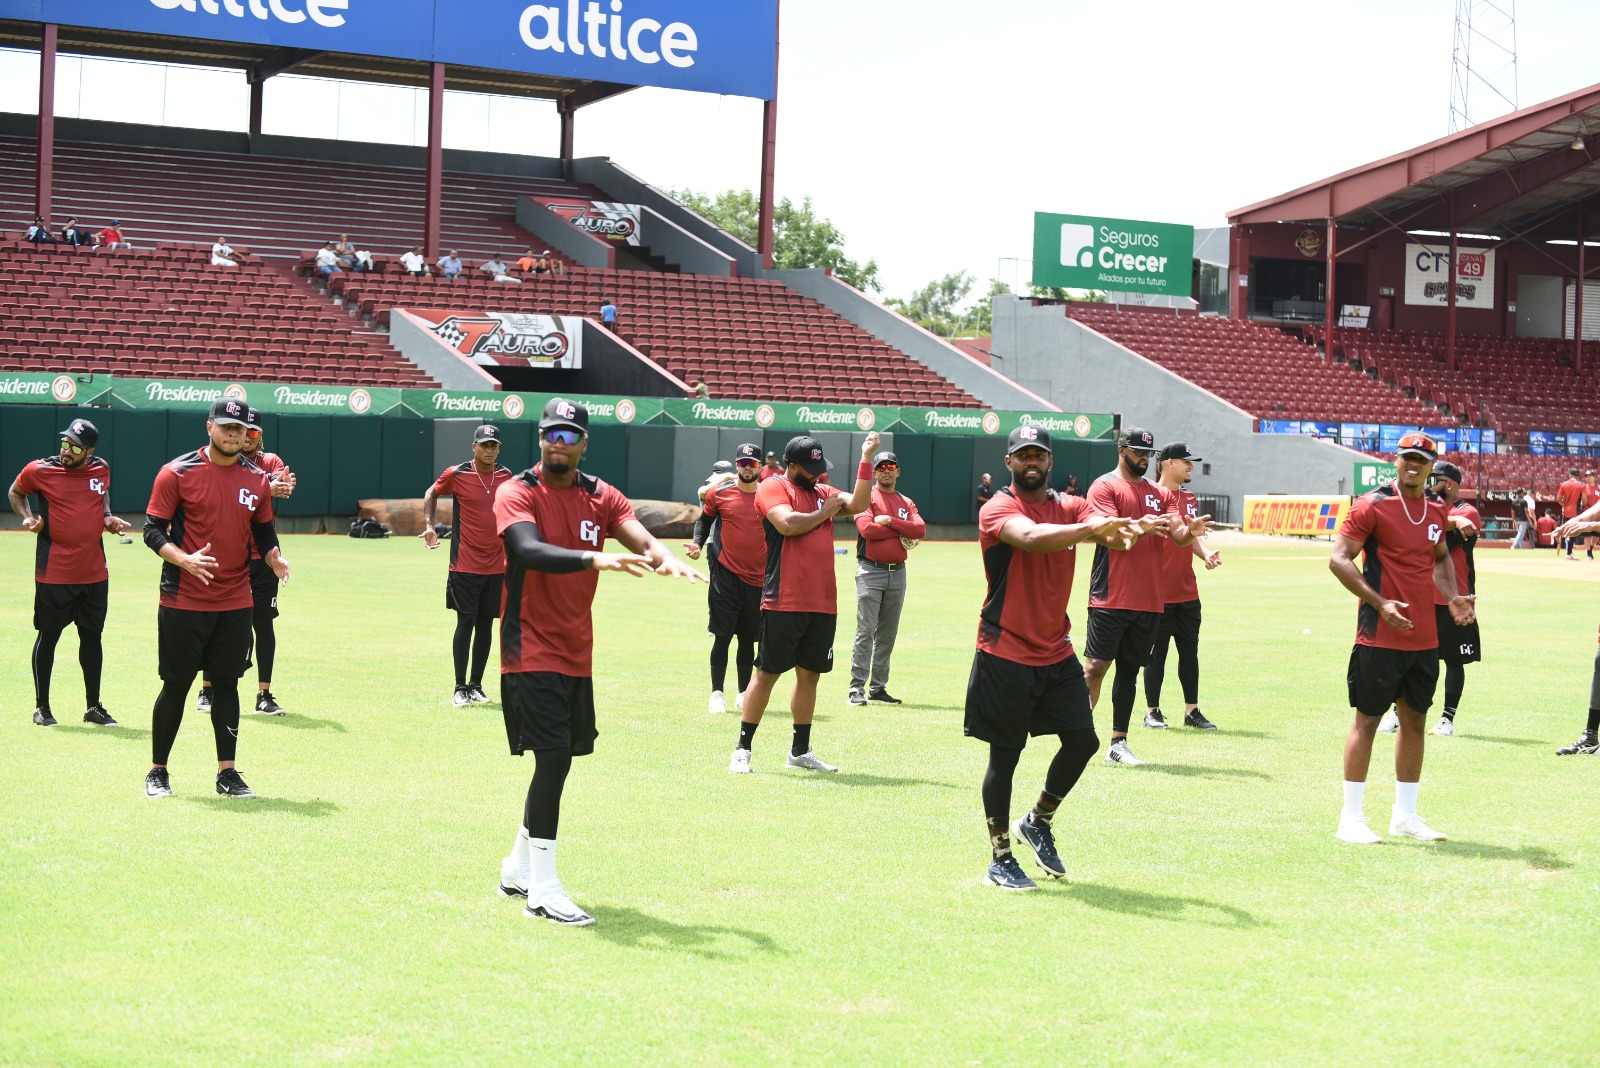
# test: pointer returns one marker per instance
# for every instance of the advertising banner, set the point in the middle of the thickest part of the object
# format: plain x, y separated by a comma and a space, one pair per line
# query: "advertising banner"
1371, 475
1085, 252
17, 387
598, 218
761, 415
713, 46
988, 424
467, 404
508, 339
284, 398
1294, 515
1428, 276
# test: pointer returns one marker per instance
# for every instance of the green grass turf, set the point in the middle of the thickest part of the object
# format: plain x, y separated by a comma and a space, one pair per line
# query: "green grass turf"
349, 915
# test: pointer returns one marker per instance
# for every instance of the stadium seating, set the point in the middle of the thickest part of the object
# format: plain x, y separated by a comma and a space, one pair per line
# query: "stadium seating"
166, 313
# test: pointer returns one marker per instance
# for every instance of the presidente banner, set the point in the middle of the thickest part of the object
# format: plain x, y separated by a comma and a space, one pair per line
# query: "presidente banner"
979, 423
18, 387
1086, 252
604, 219
467, 404
1294, 515
713, 46
508, 339
283, 398
1428, 276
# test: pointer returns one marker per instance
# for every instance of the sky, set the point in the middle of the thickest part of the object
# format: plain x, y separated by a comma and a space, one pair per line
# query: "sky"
930, 131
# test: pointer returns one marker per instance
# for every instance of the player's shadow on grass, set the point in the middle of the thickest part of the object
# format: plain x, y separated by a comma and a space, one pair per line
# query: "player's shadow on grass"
1161, 906
1497, 739
315, 808
127, 734
1533, 856
1200, 772
861, 778
640, 930
303, 723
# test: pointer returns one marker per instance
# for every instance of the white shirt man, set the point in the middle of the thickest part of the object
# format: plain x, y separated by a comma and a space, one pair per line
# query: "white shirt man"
222, 254
328, 261
413, 262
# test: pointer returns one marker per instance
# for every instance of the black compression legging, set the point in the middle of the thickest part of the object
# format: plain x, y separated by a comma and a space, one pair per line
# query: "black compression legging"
542, 811
91, 658
1455, 684
744, 664
1125, 690
1066, 767
266, 648
168, 717
477, 634
1155, 671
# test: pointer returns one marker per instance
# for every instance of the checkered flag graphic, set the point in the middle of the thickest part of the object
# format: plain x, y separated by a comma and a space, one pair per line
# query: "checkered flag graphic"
452, 334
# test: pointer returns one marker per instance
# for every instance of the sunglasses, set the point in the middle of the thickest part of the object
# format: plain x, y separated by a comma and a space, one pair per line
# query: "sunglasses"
252, 434
888, 467
563, 437
747, 463
74, 449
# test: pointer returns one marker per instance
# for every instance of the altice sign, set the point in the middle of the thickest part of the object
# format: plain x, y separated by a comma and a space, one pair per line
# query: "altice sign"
1124, 255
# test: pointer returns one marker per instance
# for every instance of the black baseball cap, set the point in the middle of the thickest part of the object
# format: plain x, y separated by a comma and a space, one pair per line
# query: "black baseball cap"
1136, 437
229, 412
807, 452
81, 432
1446, 469
1178, 450
722, 467
561, 412
1027, 437
747, 452
884, 457
1573, 471
252, 418
1418, 443
486, 432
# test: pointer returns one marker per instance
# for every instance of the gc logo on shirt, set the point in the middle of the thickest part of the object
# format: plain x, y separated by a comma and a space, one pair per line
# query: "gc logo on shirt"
589, 531
97, 486
247, 498
1433, 531
1152, 502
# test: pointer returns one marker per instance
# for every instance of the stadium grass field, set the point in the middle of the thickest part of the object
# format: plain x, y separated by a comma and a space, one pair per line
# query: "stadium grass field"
350, 916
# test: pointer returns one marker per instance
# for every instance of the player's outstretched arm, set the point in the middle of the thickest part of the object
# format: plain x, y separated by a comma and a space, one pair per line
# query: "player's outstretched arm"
657, 556
861, 495
430, 512
201, 564
19, 505
1031, 537
1462, 608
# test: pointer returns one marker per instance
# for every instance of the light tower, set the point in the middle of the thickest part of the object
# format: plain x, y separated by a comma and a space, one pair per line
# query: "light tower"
1483, 62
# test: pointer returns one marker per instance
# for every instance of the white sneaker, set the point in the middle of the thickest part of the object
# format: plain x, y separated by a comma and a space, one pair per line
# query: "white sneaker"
717, 706
738, 702
1354, 829
1412, 827
554, 905
740, 764
809, 761
1119, 753
1445, 728
1390, 723
514, 881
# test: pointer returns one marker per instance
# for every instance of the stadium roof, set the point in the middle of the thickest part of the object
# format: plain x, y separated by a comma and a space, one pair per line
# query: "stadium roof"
264, 61
1508, 176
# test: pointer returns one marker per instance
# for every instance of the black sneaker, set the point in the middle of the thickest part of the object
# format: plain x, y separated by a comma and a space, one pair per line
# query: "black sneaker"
204, 704
42, 716
266, 705
99, 716
882, 697
1198, 721
1043, 843
478, 696
156, 783
231, 785
857, 697
1155, 720
1586, 745
1007, 874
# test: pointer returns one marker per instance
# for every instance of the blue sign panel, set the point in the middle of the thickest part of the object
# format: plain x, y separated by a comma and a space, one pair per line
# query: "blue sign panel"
713, 46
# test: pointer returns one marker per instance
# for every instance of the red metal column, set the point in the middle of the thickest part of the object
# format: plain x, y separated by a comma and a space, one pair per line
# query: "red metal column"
1450, 313
769, 153
1577, 318
45, 147
1239, 272
433, 181
1329, 295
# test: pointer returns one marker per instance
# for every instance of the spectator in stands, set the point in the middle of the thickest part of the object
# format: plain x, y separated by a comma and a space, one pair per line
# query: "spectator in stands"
39, 233
71, 234
700, 390
223, 255
346, 252
111, 237
608, 314
529, 263
414, 263
450, 265
553, 264
328, 261
496, 268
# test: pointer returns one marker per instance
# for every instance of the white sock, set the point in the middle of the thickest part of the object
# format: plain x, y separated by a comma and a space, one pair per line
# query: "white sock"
1353, 793
1405, 798
519, 849
542, 852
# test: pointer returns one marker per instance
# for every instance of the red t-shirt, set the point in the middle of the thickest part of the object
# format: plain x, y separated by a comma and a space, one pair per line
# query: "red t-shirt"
799, 574
743, 544
1129, 579
1570, 494
769, 472
1177, 561
210, 504
271, 465
1024, 616
1461, 551
546, 623
875, 541
1591, 495
1397, 536
72, 503
475, 547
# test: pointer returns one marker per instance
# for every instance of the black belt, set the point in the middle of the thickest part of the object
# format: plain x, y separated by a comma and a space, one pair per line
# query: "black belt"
883, 566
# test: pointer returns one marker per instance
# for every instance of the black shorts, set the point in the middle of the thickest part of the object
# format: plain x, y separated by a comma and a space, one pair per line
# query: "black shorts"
1180, 621
215, 644
548, 710
735, 605
1457, 644
1008, 701
477, 596
796, 639
1380, 677
264, 589
1122, 635
56, 604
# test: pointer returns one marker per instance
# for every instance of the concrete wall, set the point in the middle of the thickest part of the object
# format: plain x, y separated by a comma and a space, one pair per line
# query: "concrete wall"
627, 188
680, 248
1080, 370
584, 249
422, 347
993, 389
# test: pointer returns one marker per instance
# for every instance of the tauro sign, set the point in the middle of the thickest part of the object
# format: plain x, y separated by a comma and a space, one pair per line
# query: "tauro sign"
507, 339
1083, 252
1294, 515
601, 218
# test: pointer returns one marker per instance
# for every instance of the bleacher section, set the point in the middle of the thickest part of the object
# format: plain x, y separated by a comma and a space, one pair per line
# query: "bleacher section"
749, 339
1257, 368
166, 313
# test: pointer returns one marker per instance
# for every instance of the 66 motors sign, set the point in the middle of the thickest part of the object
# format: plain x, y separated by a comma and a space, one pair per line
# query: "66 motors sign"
599, 218
508, 339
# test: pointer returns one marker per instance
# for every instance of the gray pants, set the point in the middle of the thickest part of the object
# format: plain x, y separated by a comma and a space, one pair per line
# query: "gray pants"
880, 595
1525, 538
